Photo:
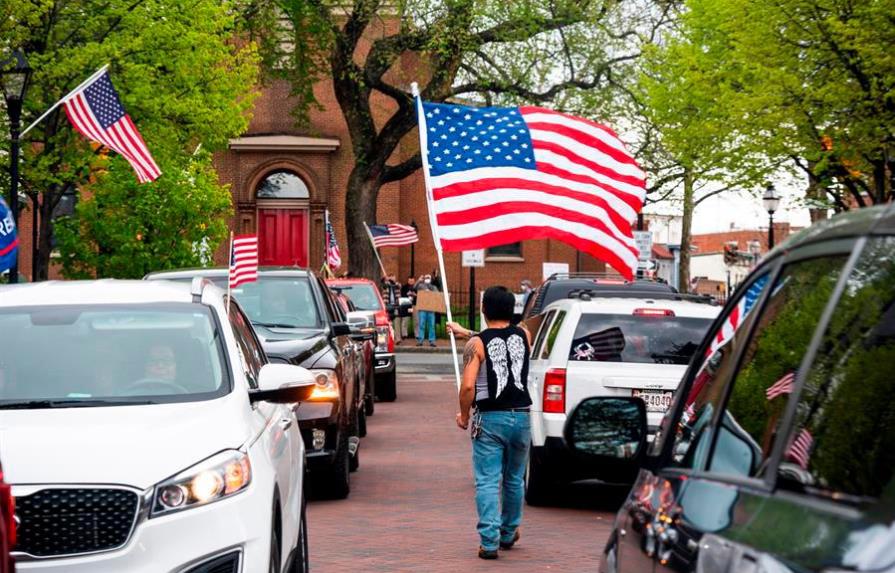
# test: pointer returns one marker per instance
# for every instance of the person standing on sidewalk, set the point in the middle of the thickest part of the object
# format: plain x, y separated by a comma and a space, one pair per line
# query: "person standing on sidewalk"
392, 293
495, 380
425, 318
408, 291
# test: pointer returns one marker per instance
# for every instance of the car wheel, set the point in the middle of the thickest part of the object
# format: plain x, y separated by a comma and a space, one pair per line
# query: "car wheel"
337, 481
301, 562
386, 388
274, 550
537, 482
369, 404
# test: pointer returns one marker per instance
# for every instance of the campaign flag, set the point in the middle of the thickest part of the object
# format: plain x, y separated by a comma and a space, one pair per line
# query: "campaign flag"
9, 238
499, 175
243, 260
95, 110
333, 254
393, 235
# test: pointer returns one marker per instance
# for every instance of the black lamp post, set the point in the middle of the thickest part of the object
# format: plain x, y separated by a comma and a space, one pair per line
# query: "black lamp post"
771, 201
14, 75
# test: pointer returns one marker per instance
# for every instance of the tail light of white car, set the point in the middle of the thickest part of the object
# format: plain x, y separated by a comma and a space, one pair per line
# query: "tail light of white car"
219, 476
555, 391
327, 387
654, 312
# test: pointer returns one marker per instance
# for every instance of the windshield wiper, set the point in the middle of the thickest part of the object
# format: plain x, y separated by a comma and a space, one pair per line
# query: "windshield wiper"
40, 404
275, 325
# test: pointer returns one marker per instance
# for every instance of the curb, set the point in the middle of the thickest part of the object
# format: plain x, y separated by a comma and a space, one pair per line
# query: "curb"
422, 350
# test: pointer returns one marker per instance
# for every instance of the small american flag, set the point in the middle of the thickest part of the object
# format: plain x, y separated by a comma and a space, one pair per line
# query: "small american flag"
782, 386
800, 449
393, 235
738, 314
333, 254
243, 260
500, 175
96, 112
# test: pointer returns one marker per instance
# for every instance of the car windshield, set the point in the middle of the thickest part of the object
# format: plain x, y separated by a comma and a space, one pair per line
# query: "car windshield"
364, 296
56, 356
281, 302
639, 339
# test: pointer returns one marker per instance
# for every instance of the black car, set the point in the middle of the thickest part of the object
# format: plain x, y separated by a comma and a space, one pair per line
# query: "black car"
298, 322
777, 454
561, 285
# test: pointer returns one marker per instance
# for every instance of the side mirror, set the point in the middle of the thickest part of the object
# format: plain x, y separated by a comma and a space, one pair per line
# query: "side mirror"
341, 329
608, 427
283, 384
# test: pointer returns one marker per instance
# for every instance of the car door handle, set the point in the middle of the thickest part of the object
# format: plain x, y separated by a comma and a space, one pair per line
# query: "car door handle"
286, 423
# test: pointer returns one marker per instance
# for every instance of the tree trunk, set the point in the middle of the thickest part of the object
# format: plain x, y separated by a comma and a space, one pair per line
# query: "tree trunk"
817, 193
44, 242
360, 208
683, 284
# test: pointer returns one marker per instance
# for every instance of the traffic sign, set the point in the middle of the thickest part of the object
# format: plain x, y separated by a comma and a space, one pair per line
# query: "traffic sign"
644, 242
474, 258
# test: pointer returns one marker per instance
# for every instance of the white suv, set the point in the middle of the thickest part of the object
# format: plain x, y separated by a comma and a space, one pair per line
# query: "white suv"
610, 346
143, 430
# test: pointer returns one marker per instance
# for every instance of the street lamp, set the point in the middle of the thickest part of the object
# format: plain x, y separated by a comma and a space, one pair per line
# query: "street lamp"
14, 75
771, 201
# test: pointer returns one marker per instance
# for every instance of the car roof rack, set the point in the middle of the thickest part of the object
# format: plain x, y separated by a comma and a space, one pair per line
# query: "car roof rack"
589, 294
601, 275
197, 286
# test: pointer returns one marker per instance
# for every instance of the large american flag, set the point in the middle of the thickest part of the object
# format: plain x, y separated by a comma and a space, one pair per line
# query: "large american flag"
96, 112
333, 254
243, 260
393, 235
501, 175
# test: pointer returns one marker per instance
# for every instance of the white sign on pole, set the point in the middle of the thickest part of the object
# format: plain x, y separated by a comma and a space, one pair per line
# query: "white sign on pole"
554, 268
644, 242
474, 258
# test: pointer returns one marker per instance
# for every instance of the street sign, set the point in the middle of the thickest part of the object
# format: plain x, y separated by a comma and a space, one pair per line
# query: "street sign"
554, 268
644, 242
474, 258
646, 265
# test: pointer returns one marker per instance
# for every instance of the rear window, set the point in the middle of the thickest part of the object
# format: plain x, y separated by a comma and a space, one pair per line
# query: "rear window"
638, 339
364, 296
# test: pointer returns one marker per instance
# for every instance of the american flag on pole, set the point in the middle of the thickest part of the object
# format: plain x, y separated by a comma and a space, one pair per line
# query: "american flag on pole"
781, 387
501, 175
243, 260
393, 235
333, 254
95, 110
800, 449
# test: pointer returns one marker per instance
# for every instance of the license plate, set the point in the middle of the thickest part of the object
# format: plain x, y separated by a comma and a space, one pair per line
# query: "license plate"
655, 400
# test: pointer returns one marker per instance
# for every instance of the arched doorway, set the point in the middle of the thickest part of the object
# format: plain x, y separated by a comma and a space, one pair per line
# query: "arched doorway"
283, 218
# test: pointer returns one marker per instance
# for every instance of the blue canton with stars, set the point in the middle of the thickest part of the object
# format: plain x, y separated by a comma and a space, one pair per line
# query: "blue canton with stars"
461, 138
103, 100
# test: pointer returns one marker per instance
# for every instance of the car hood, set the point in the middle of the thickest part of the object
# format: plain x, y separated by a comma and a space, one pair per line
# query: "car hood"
298, 346
137, 446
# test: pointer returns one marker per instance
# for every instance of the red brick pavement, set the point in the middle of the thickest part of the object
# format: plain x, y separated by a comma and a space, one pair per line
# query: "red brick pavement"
412, 509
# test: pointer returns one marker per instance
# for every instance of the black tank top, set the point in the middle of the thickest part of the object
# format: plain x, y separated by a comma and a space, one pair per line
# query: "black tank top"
506, 369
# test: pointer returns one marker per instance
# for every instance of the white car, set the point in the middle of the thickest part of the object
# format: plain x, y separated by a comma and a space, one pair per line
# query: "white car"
142, 430
612, 346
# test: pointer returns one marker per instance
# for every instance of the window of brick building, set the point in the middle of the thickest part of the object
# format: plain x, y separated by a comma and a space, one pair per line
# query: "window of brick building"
282, 185
508, 251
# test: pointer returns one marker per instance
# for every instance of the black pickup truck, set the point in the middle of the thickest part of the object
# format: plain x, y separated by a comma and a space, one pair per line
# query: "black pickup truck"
298, 322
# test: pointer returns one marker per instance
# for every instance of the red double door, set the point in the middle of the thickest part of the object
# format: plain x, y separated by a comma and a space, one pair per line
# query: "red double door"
283, 237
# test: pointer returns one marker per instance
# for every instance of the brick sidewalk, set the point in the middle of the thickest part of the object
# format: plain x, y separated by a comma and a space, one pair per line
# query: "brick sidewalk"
411, 506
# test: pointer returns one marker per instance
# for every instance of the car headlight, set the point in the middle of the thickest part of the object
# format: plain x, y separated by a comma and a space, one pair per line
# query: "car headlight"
382, 338
220, 476
327, 387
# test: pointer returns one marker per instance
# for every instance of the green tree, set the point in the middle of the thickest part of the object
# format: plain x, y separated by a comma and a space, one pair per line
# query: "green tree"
183, 76
568, 52
126, 230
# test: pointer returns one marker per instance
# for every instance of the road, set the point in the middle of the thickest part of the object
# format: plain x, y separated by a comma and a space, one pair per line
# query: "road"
412, 508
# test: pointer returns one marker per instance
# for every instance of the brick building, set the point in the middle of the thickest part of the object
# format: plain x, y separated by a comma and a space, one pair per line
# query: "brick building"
283, 177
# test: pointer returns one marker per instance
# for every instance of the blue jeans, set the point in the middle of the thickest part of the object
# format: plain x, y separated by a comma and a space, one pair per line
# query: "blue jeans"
499, 455
426, 319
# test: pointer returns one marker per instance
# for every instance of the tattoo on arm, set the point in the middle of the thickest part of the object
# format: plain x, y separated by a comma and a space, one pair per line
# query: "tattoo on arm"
468, 352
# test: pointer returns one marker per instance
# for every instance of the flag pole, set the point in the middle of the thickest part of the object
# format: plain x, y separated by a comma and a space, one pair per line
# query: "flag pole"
433, 224
229, 270
95, 75
375, 250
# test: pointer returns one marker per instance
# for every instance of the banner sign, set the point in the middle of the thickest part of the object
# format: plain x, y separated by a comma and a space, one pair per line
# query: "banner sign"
9, 240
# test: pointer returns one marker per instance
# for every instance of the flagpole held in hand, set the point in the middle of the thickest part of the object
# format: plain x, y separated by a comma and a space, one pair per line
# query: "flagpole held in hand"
433, 224
375, 250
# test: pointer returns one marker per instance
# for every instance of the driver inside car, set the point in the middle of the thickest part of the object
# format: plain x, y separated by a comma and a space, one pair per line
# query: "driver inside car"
161, 364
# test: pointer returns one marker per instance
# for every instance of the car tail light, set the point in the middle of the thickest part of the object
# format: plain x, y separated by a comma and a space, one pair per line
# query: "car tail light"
657, 312
555, 391
610, 281
7, 510
382, 318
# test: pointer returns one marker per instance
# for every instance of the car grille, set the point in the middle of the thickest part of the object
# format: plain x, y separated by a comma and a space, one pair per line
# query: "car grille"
72, 521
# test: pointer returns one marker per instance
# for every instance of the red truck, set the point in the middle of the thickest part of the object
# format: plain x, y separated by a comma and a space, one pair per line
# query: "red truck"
366, 296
